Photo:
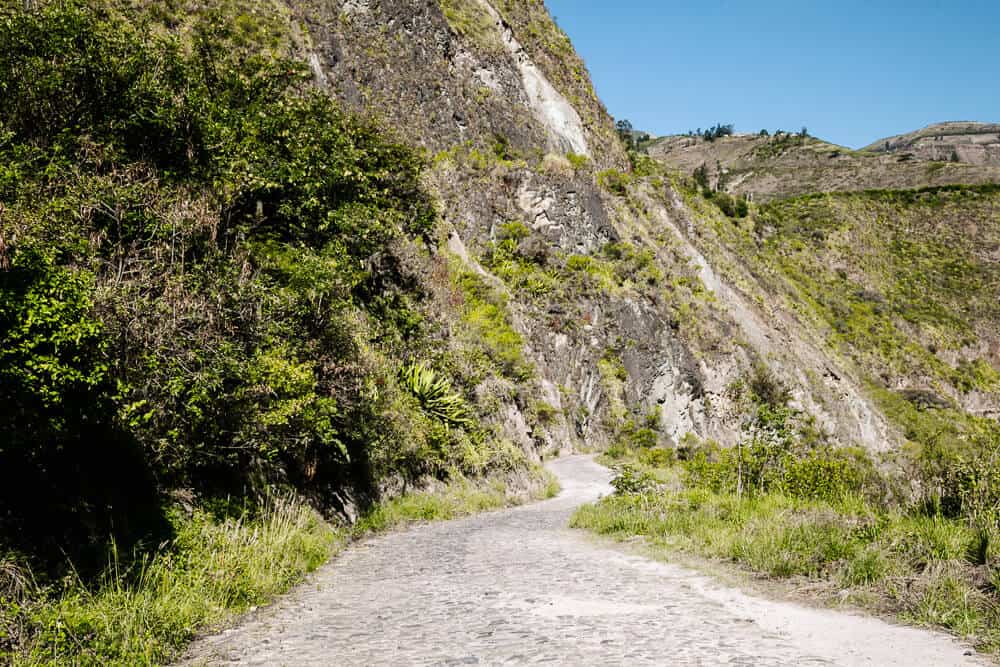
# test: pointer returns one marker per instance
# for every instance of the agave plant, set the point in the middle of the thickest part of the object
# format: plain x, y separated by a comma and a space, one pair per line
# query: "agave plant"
435, 394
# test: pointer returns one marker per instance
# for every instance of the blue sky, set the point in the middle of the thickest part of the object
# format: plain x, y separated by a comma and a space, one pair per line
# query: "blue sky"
851, 71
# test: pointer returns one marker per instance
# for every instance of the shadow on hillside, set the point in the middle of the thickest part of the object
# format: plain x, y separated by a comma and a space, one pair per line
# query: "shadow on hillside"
66, 507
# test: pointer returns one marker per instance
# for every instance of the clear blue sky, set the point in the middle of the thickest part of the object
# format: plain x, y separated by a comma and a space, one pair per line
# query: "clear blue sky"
852, 71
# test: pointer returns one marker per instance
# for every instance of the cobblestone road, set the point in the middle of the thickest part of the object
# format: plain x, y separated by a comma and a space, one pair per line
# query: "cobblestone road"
518, 587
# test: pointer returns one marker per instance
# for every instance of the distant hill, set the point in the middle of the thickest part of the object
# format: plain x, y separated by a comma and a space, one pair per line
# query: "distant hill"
788, 165
971, 143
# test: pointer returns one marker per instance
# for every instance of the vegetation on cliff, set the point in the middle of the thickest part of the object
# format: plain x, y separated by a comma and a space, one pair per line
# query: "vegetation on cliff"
211, 282
901, 287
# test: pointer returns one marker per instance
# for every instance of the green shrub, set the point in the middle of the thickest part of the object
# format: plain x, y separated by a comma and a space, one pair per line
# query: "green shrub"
976, 375
830, 474
766, 389
519, 260
435, 395
52, 347
614, 181
644, 438
578, 162
514, 231
543, 413
657, 458
200, 285
764, 465
470, 20
630, 481
579, 262
732, 207
485, 313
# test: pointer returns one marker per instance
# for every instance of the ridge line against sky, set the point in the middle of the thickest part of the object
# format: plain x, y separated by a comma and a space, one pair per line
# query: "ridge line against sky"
852, 72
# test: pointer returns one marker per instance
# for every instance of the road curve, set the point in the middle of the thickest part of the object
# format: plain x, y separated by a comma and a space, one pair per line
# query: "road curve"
518, 587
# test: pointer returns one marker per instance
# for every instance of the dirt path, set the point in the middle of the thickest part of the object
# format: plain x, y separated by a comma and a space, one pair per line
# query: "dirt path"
517, 586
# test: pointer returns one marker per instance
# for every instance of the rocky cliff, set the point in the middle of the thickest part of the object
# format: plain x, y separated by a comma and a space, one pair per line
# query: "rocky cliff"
631, 326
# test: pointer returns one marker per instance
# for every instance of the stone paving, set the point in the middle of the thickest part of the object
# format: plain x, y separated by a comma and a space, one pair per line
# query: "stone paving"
518, 587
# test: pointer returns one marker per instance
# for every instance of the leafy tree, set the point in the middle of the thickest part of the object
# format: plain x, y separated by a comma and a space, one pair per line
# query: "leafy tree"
199, 284
626, 133
716, 132
701, 177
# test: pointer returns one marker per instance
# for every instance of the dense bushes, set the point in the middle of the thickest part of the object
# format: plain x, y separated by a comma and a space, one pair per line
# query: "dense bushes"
914, 565
143, 612
731, 206
203, 282
785, 504
760, 467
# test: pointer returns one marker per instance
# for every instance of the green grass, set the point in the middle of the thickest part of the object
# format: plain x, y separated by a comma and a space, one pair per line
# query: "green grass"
143, 613
469, 19
916, 566
489, 330
213, 569
459, 498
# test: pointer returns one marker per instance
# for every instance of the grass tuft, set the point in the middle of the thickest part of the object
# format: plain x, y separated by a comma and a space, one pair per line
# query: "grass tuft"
916, 566
145, 612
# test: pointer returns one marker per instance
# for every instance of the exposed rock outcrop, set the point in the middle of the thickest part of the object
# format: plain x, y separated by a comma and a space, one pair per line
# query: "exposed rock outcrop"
496, 94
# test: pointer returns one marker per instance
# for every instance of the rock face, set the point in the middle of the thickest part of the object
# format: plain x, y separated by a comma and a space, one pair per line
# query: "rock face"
550, 108
626, 319
440, 84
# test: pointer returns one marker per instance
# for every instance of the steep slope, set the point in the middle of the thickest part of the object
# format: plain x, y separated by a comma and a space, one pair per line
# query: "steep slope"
971, 143
222, 282
621, 328
461, 70
901, 287
572, 297
787, 165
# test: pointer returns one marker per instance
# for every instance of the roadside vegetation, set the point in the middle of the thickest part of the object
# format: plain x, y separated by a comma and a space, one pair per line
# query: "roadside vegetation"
902, 286
225, 329
224, 559
923, 544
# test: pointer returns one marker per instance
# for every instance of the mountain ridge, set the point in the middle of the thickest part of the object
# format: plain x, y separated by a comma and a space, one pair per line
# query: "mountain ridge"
946, 132
784, 165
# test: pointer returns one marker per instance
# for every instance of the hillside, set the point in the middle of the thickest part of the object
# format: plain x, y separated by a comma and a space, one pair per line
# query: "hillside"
787, 165
901, 285
970, 143
292, 259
